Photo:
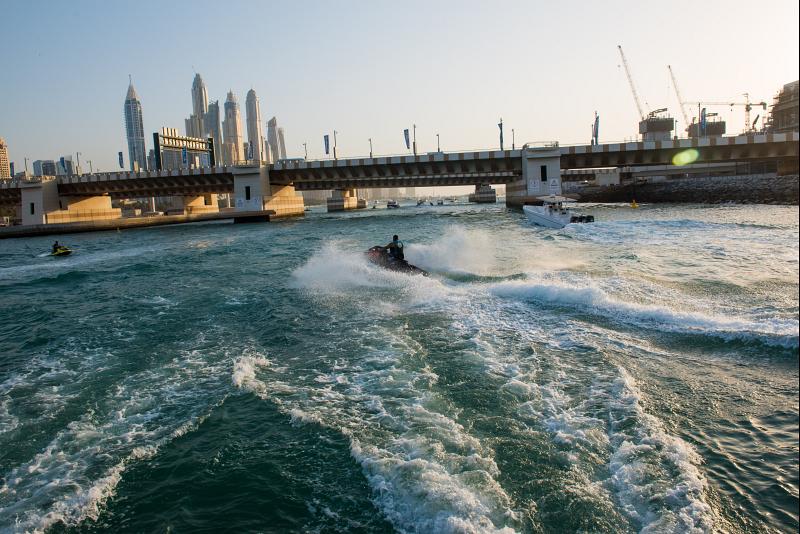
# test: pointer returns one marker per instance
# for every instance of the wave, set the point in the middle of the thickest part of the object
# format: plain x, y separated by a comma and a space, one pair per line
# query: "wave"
644, 451
458, 251
75, 473
426, 472
592, 299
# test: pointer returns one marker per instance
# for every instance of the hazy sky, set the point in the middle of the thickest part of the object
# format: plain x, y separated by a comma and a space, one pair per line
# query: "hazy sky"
371, 69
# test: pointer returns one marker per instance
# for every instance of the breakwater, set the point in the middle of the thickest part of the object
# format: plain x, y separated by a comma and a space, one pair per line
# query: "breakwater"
748, 189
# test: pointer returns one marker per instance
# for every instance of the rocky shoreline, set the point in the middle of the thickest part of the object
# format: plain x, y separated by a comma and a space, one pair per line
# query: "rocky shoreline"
749, 189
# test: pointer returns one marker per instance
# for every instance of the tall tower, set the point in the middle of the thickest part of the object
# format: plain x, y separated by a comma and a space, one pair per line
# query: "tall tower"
195, 124
199, 97
213, 123
5, 167
232, 128
255, 136
272, 139
281, 143
134, 130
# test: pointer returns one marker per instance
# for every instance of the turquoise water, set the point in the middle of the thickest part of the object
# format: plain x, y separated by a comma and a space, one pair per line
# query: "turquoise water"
639, 374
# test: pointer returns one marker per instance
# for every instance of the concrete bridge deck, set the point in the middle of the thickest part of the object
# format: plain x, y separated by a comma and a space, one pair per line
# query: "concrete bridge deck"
528, 172
424, 170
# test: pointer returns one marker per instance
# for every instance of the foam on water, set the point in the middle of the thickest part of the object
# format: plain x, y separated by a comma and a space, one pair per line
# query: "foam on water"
427, 473
656, 475
338, 271
588, 297
458, 251
73, 476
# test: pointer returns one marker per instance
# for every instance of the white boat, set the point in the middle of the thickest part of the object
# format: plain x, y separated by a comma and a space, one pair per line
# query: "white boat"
392, 204
553, 213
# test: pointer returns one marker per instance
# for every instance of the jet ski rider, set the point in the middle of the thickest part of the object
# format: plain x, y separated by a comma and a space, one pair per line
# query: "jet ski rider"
396, 248
56, 246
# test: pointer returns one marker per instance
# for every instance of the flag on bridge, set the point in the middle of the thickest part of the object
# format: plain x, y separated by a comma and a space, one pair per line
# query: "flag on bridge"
121, 164
408, 143
327, 143
500, 125
184, 155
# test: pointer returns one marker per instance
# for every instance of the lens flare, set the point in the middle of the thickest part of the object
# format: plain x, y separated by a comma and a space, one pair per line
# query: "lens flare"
685, 157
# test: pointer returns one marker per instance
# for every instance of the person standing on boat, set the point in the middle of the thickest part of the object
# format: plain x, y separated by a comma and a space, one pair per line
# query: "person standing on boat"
396, 248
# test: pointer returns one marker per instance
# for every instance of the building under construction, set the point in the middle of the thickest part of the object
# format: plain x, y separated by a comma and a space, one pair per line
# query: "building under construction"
785, 109
657, 126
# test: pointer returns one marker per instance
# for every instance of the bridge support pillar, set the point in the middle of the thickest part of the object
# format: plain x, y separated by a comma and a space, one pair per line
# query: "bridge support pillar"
541, 176
284, 201
345, 199
254, 193
37, 200
484, 194
84, 209
200, 204
41, 204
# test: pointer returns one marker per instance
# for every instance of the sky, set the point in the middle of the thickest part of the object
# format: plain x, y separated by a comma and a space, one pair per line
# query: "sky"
370, 69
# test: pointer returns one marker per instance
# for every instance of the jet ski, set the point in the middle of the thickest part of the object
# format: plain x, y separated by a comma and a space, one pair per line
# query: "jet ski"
61, 251
380, 256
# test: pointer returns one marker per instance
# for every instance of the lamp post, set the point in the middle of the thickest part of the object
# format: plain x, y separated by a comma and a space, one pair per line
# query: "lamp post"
305, 149
512, 139
414, 144
438, 149
370, 148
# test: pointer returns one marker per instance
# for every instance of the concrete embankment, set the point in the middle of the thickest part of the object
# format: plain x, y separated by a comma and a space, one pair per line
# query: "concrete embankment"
132, 222
751, 189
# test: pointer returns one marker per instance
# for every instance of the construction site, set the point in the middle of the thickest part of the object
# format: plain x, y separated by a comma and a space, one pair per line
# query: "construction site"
756, 181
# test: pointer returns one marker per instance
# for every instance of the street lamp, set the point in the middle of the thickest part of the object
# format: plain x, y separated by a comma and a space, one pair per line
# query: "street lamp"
370, 148
415, 139
437, 143
512, 138
305, 148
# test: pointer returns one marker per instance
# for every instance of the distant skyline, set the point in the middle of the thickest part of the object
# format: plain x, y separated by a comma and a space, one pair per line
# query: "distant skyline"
370, 70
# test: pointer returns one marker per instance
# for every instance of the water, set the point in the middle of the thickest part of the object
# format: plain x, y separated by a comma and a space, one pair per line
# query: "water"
639, 374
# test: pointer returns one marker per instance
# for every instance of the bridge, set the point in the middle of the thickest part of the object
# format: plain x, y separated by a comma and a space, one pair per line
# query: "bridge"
527, 173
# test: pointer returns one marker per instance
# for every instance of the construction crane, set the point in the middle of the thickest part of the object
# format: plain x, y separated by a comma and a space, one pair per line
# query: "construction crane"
680, 99
630, 81
748, 106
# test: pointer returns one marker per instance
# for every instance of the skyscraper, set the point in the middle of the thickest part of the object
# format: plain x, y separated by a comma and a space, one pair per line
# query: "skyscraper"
65, 167
5, 167
281, 143
45, 167
213, 125
199, 97
272, 139
134, 129
232, 127
255, 136
195, 124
